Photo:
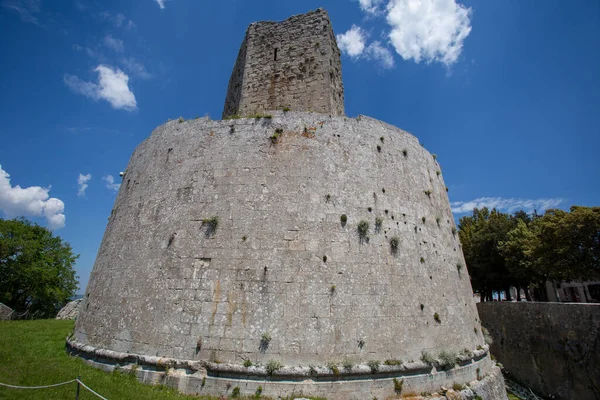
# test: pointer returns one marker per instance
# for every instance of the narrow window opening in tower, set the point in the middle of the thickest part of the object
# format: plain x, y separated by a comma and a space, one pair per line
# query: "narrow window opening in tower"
275, 58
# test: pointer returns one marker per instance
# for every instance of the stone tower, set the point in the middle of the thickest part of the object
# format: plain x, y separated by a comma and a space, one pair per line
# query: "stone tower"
293, 252
294, 64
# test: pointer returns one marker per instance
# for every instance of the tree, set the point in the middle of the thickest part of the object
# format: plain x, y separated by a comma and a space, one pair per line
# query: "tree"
568, 245
36, 268
479, 235
518, 251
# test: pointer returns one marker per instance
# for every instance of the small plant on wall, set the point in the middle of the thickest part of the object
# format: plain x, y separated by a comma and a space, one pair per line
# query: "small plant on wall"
211, 225
427, 192
363, 230
378, 224
394, 243
343, 219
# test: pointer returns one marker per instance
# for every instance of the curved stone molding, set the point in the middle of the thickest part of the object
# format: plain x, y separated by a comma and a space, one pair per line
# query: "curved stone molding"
116, 357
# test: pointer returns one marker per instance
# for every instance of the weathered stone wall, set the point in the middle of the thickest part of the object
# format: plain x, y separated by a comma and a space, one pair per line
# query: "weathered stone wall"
292, 64
552, 347
5, 312
280, 261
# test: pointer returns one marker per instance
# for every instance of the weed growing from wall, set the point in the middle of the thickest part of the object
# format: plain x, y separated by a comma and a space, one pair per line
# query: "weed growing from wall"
394, 242
398, 385
363, 230
333, 367
374, 365
427, 358
378, 224
211, 225
273, 366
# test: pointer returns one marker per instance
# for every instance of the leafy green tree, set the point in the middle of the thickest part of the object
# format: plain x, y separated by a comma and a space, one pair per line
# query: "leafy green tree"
518, 250
36, 268
479, 235
568, 245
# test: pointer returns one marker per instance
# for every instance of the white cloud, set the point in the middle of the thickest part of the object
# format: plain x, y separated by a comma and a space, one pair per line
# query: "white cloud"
113, 44
161, 3
428, 30
135, 68
82, 181
352, 42
508, 205
110, 183
32, 201
112, 86
27, 9
381, 54
370, 6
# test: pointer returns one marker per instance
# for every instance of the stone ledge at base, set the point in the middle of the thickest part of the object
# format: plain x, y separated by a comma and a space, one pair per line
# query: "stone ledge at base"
195, 377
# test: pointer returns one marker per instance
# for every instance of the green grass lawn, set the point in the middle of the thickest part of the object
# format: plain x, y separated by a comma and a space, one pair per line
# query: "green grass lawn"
32, 353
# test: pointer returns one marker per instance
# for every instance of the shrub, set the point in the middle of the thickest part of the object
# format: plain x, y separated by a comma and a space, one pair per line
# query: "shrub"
234, 116
436, 317
427, 358
361, 343
447, 359
427, 192
486, 336
327, 198
475, 330
438, 173
180, 120
273, 366
286, 109
258, 392
453, 231
423, 219
333, 367
422, 260
446, 188
437, 220
398, 385
348, 364
374, 365
363, 229
434, 156
458, 266
392, 361
457, 387
265, 339
244, 238
381, 138
332, 289
247, 363
394, 242
422, 306
343, 219
235, 392
211, 224
378, 223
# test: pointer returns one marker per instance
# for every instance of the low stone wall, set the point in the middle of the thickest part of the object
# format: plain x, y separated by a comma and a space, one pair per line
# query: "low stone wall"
5, 312
199, 377
554, 348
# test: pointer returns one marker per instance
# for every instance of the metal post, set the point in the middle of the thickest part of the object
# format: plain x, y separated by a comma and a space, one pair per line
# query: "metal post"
77, 393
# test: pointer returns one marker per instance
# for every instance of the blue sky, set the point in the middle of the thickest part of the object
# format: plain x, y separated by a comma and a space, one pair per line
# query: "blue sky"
506, 93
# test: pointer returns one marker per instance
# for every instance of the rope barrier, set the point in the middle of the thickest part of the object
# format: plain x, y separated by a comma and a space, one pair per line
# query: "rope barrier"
77, 380
37, 387
93, 392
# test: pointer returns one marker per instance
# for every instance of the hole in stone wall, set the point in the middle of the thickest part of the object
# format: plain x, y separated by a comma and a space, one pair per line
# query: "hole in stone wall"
275, 56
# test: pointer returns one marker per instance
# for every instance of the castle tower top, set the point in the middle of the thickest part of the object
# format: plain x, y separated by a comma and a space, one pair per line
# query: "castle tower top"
293, 64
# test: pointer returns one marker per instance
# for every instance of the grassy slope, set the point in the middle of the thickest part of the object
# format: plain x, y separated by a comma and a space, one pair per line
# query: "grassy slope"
33, 353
